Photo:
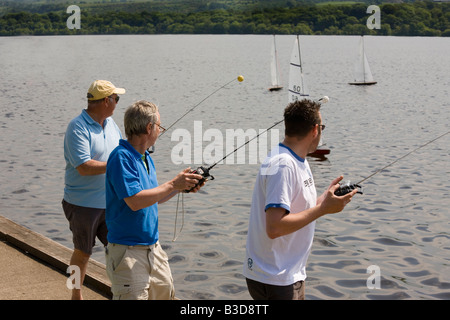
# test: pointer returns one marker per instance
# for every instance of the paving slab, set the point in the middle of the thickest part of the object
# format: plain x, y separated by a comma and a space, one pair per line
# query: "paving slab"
33, 267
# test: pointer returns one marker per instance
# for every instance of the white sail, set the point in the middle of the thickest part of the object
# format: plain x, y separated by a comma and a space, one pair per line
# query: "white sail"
297, 84
362, 73
274, 67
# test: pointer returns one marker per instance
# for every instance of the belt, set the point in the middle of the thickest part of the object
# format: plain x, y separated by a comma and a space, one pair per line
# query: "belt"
137, 246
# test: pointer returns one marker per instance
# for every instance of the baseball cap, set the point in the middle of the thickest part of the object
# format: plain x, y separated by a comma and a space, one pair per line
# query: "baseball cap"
100, 89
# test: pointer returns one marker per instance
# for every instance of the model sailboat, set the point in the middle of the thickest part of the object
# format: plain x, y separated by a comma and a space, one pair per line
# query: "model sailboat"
275, 68
297, 85
363, 75
298, 89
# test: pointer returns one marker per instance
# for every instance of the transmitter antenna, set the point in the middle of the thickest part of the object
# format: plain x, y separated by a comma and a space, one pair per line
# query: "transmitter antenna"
348, 187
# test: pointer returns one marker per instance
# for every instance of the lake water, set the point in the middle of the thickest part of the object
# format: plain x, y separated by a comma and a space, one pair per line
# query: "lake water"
400, 225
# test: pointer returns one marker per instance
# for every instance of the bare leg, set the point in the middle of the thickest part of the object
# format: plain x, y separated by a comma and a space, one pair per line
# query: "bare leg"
80, 259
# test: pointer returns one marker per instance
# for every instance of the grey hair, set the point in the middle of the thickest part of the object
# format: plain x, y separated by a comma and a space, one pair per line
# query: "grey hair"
138, 116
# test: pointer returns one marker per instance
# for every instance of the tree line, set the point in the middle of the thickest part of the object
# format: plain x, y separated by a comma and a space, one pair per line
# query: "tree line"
421, 18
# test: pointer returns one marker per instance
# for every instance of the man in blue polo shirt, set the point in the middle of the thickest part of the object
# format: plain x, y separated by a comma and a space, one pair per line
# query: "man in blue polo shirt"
135, 262
89, 139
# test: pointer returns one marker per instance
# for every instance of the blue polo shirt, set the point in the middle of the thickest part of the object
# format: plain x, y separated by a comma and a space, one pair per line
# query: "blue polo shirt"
86, 139
126, 175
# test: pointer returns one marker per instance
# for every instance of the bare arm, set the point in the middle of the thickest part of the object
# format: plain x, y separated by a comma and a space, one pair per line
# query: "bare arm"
145, 198
91, 168
148, 197
280, 223
171, 195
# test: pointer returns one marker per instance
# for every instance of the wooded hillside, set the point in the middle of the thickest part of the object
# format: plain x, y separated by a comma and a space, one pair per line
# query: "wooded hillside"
421, 18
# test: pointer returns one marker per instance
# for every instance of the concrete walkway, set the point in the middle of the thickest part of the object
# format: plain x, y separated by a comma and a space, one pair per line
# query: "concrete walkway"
33, 267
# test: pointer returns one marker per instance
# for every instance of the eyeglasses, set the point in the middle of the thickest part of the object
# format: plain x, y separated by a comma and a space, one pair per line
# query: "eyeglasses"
322, 127
161, 128
116, 98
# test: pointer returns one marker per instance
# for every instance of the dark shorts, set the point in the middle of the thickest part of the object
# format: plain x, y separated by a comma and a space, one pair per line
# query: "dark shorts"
263, 291
86, 224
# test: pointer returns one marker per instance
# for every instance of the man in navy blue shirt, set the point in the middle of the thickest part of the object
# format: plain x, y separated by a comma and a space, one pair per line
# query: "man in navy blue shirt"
136, 264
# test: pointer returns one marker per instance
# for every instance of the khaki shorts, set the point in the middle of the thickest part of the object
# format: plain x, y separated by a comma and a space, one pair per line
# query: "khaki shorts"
139, 272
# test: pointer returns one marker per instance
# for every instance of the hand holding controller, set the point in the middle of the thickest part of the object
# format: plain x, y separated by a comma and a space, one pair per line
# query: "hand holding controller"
347, 188
204, 172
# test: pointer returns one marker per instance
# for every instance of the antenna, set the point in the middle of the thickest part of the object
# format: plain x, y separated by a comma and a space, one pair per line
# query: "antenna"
322, 100
390, 164
348, 187
275, 124
240, 78
204, 171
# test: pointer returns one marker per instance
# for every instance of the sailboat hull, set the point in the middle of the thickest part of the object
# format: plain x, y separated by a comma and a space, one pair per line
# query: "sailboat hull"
362, 83
276, 88
319, 152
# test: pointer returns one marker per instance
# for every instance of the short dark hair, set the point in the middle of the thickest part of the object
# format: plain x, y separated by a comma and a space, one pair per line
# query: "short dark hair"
300, 117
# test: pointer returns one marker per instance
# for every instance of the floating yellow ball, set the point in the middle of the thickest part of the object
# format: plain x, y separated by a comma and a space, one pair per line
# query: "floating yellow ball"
240, 78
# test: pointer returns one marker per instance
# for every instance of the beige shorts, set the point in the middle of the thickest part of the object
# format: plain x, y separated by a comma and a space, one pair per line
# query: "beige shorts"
139, 272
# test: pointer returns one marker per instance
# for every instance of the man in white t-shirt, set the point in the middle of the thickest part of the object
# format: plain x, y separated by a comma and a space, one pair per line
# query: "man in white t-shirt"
285, 207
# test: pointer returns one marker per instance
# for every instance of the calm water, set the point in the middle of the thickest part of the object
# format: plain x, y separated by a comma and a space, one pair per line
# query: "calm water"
400, 224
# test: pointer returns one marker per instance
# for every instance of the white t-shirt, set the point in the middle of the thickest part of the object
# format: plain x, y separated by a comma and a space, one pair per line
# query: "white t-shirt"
284, 180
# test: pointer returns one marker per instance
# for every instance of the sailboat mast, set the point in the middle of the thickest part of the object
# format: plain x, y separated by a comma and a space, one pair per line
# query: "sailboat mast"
275, 68
300, 61
363, 54
362, 73
276, 61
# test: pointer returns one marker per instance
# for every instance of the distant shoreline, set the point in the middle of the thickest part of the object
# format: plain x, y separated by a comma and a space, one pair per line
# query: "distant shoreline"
429, 19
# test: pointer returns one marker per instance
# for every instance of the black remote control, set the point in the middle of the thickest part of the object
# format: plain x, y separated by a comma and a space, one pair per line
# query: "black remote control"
347, 188
204, 172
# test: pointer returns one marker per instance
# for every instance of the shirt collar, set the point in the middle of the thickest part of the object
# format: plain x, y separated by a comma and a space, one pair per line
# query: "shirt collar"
292, 152
87, 117
91, 121
124, 143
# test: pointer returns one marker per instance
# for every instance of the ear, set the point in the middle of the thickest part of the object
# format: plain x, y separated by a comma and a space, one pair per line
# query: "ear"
149, 128
315, 131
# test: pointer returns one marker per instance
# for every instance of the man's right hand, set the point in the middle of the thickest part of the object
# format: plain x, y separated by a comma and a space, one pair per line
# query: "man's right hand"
186, 180
330, 202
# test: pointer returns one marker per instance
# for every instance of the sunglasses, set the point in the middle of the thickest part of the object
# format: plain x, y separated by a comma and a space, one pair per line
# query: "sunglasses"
116, 98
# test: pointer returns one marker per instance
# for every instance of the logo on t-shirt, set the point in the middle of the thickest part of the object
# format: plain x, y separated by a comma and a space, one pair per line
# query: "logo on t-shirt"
308, 182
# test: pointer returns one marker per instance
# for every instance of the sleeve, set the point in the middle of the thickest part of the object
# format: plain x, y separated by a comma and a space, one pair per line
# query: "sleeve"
77, 145
123, 175
279, 185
